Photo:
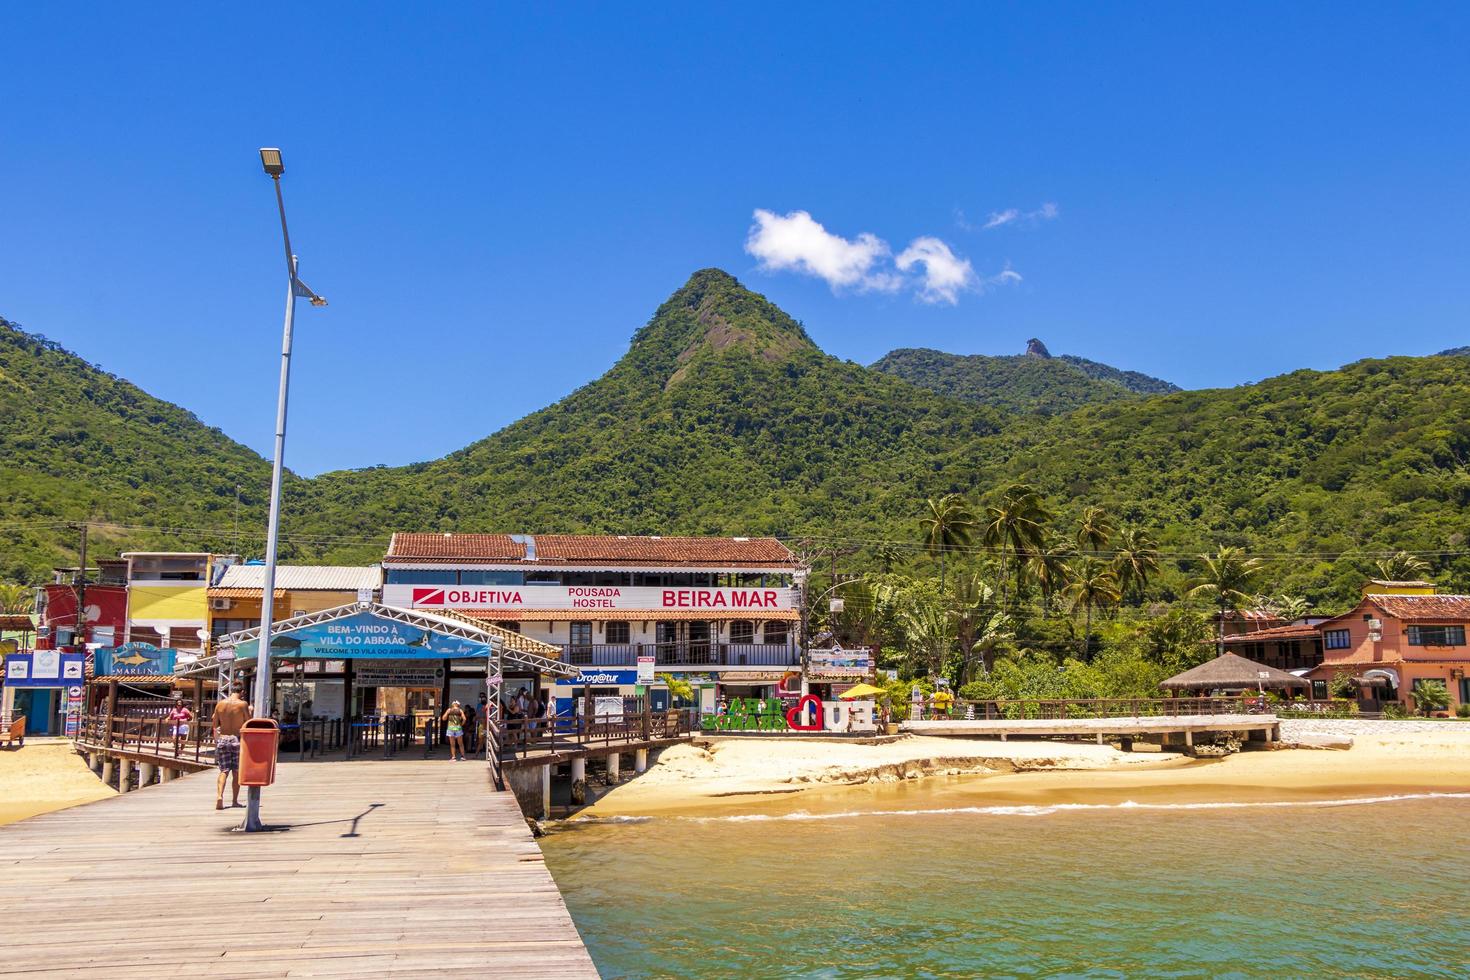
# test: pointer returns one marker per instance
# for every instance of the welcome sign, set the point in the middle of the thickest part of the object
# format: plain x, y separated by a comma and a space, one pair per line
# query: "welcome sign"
364, 635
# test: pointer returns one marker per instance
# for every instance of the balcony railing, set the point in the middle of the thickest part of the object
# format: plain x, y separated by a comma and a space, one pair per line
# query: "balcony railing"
695, 654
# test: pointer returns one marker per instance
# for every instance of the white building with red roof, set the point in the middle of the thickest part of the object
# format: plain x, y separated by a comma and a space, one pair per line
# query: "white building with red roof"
722, 613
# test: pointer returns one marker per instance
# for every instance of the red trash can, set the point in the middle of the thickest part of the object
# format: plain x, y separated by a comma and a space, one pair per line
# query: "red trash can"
258, 741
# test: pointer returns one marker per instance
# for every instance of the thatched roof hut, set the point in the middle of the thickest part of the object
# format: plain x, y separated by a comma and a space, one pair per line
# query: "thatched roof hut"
1232, 672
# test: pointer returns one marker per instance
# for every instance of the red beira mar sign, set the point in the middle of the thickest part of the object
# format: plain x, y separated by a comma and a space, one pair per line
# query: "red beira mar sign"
589, 597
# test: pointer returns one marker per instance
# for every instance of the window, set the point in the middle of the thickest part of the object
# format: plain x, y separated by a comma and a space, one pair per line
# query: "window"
1337, 639
490, 578
776, 632
618, 632
421, 576
1319, 690
1436, 636
742, 631
581, 634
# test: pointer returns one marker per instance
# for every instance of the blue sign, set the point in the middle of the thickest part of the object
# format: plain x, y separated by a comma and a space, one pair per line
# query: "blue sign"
43, 668
599, 677
133, 658
365, 635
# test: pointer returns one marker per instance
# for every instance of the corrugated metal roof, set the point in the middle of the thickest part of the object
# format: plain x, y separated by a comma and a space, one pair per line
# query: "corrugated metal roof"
581, 549
303, 578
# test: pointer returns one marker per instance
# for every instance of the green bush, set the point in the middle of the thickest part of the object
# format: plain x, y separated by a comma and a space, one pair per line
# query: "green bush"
1463, 711
1396, 711
1431, 695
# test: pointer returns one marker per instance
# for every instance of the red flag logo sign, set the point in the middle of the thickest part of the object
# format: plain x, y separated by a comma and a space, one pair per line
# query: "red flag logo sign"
428, 597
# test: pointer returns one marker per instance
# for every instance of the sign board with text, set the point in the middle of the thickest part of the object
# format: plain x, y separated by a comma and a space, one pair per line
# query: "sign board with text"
399, 673
589, 597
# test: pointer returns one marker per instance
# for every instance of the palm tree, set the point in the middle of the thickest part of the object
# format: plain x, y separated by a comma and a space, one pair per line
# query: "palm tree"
979, 624
928, 632
1049, 569
1096, 530
1017, 521
888, 555
1093, 584
15, 599
1290, 607
1136, 559
947, 524
1226, 578
1403, 567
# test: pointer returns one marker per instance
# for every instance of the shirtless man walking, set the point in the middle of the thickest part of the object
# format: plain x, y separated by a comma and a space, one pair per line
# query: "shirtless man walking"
229, 717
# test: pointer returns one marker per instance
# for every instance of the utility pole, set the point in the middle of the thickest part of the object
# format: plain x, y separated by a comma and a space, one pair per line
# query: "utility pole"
80, 639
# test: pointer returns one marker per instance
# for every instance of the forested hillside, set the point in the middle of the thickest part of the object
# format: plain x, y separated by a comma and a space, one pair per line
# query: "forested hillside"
1032, 383
724, 418
77, 442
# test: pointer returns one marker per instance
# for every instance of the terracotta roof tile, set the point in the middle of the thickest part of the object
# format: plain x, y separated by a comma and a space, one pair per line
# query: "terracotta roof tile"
1292, 631
576, 549
472, 547
1438, 607
221, 592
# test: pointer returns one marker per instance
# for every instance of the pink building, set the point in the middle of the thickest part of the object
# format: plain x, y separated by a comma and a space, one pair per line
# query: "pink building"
1400, 635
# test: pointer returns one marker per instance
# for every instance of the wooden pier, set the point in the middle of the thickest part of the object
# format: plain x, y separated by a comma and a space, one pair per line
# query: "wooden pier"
400, 868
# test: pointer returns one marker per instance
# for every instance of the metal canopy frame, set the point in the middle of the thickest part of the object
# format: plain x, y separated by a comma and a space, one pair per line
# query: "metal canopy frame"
501, 652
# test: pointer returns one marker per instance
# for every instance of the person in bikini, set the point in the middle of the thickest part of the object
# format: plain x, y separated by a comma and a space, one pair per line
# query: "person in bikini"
228, 719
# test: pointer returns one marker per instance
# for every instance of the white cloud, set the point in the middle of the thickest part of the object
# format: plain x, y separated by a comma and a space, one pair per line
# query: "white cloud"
1005, 277
945, 275
1009, 216
796, 242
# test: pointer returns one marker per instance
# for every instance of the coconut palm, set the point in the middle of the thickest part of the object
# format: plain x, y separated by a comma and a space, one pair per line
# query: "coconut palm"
16, 600
1094, 584
1049, 569
1290, 607
1136, 559
1403, 567
979, 623
1017, 523
1226, 579
947, 523
1095, 530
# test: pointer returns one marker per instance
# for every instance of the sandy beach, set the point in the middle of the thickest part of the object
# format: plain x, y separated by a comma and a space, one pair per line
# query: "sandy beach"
45, 775
762, 775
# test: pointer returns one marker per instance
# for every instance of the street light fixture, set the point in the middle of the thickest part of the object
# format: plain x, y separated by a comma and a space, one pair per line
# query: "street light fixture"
270, 159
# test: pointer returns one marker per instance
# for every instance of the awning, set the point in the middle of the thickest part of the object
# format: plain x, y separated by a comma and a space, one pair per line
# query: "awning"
1379, 677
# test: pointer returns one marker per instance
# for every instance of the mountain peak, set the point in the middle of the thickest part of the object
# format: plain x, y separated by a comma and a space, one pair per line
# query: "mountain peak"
714, 315
1035, 348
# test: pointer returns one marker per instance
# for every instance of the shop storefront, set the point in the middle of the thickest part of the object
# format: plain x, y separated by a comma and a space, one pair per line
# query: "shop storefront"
44, 687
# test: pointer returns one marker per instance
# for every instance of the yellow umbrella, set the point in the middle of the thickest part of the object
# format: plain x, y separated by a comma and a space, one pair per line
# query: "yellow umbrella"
861, 691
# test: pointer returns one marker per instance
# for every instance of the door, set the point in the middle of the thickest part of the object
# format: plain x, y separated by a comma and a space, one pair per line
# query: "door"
580, 649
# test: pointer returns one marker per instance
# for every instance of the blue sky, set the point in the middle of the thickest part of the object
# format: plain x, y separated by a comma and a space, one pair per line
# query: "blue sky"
495, 199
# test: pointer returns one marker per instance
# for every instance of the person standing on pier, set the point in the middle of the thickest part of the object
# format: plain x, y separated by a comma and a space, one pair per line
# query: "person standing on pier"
228, 718
454, 731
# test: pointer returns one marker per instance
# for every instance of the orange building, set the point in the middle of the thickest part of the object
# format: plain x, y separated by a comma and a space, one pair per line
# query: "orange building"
1398, 636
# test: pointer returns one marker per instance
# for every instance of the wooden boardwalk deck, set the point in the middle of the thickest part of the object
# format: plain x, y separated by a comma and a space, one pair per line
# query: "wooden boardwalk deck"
1184, 725
403, 868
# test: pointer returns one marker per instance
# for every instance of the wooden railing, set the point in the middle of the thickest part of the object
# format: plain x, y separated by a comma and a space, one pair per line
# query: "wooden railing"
149, 734
696, 654
521, 737
1053, 710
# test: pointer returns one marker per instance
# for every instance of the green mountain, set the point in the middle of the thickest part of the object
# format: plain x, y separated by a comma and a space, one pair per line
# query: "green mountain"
77, 442
1033, 382
723, 417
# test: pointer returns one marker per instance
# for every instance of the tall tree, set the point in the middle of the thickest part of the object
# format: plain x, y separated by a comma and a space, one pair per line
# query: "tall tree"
1017, 523
928, 632
1135, 561
948, 523
979, 623
1093, 584
1095, 530
1403, 567
1226, 578
1049, 569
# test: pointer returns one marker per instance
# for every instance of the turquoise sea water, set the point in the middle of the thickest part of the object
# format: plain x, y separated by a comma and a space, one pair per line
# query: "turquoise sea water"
1376, 888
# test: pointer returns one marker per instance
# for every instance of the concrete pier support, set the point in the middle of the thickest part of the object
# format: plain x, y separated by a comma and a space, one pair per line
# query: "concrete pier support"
614, 767
579, 781
640, 760
545, 791
145, 774
1100, 739
124, 775
168, 775
1189, 737
579, 769
109, 766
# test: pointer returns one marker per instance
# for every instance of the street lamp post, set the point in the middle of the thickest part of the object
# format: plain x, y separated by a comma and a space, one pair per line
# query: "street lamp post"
270, 159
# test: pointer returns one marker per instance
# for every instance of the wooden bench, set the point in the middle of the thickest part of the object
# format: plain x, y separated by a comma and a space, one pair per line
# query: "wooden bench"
15, 734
